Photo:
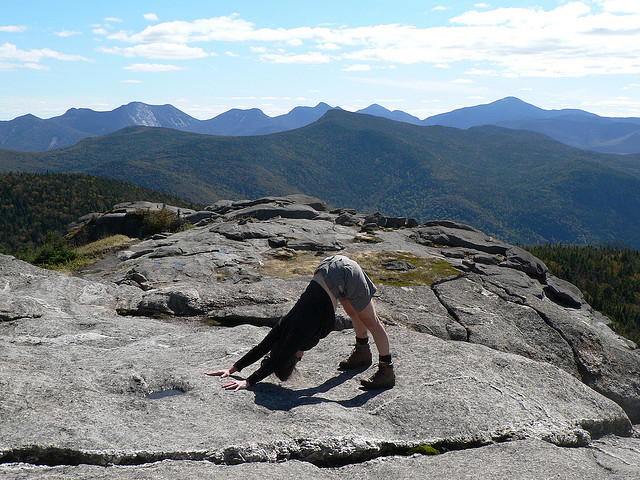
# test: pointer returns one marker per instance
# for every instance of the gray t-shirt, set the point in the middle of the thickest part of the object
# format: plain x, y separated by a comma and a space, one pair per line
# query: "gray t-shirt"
346, 281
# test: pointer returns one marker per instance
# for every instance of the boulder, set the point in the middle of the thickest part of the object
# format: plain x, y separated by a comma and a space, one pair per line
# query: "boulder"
348, 219
396, 222
503, 325
220, 207
197, 217
141, 206
377, 219
127, 219
454, 234
267, 211
326, 244
247, 231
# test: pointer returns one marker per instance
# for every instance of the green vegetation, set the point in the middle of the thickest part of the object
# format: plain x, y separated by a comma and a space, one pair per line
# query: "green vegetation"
161, 221
518, 186
57, 253
76, 250
53, 252
608, 276
423, 450
287, 264
425, 271
35, 206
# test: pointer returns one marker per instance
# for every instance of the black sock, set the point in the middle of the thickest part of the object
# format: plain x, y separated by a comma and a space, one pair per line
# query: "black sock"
385, 358
362, 341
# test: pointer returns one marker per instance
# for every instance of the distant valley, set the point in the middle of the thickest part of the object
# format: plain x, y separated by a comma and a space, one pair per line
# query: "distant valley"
519, 186
576, 128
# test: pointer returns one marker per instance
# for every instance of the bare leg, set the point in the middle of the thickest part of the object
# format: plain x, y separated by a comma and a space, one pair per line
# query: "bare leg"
368, 320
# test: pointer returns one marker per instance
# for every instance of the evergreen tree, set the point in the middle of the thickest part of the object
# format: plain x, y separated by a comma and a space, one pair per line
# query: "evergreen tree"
608, 276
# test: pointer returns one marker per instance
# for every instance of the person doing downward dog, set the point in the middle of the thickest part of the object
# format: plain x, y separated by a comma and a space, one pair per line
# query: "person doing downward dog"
337, 278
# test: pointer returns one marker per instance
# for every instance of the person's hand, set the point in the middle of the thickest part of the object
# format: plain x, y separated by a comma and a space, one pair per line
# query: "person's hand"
235, 385
225, 372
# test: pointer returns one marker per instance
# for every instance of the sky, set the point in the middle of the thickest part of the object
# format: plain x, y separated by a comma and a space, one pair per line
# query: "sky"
421, 57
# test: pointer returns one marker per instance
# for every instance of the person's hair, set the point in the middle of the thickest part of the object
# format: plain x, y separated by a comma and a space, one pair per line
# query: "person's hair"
284, 372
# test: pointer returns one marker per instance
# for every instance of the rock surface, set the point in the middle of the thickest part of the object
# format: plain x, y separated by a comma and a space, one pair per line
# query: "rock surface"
490, 350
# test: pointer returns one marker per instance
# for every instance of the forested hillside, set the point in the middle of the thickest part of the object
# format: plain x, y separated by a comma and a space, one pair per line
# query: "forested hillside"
521, 187
33, 205
608, 276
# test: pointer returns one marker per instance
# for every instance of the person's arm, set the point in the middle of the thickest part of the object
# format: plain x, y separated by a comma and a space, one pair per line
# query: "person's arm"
250, 357
236, 385
224, 372
232, 384
260, 350
271, 364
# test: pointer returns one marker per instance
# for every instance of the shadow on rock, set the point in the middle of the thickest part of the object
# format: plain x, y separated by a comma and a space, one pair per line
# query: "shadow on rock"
277, 397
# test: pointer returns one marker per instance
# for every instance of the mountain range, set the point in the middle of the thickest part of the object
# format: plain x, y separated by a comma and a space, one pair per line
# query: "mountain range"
517, 185
572, 127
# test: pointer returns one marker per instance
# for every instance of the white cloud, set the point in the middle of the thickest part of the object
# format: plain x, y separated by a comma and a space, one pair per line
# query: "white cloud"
440, 8
311, 58
172, 51
615, 103
9, 51
131, 81
621, 6
576, 38
6, 66
35, 66
67, 33
231, 54
12, 28
482, 72
228, 28
328, 47
113, 19
153, 68
150, 17
361, 67
100, 31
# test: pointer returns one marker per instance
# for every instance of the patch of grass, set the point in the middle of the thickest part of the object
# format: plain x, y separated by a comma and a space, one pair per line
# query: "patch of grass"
289, 264
426, 271
367, 238
100, 247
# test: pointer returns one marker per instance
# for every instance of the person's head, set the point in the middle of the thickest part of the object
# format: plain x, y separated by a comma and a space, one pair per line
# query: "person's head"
284, 372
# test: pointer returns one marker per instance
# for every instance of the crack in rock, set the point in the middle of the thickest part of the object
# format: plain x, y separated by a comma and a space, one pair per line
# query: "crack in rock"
449, 310
324, 453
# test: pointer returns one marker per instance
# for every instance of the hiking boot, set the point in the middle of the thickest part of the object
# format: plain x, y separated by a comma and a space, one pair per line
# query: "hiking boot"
360, 357
383, 378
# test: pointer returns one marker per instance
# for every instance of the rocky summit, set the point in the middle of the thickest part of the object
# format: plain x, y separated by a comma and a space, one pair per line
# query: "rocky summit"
503, 370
